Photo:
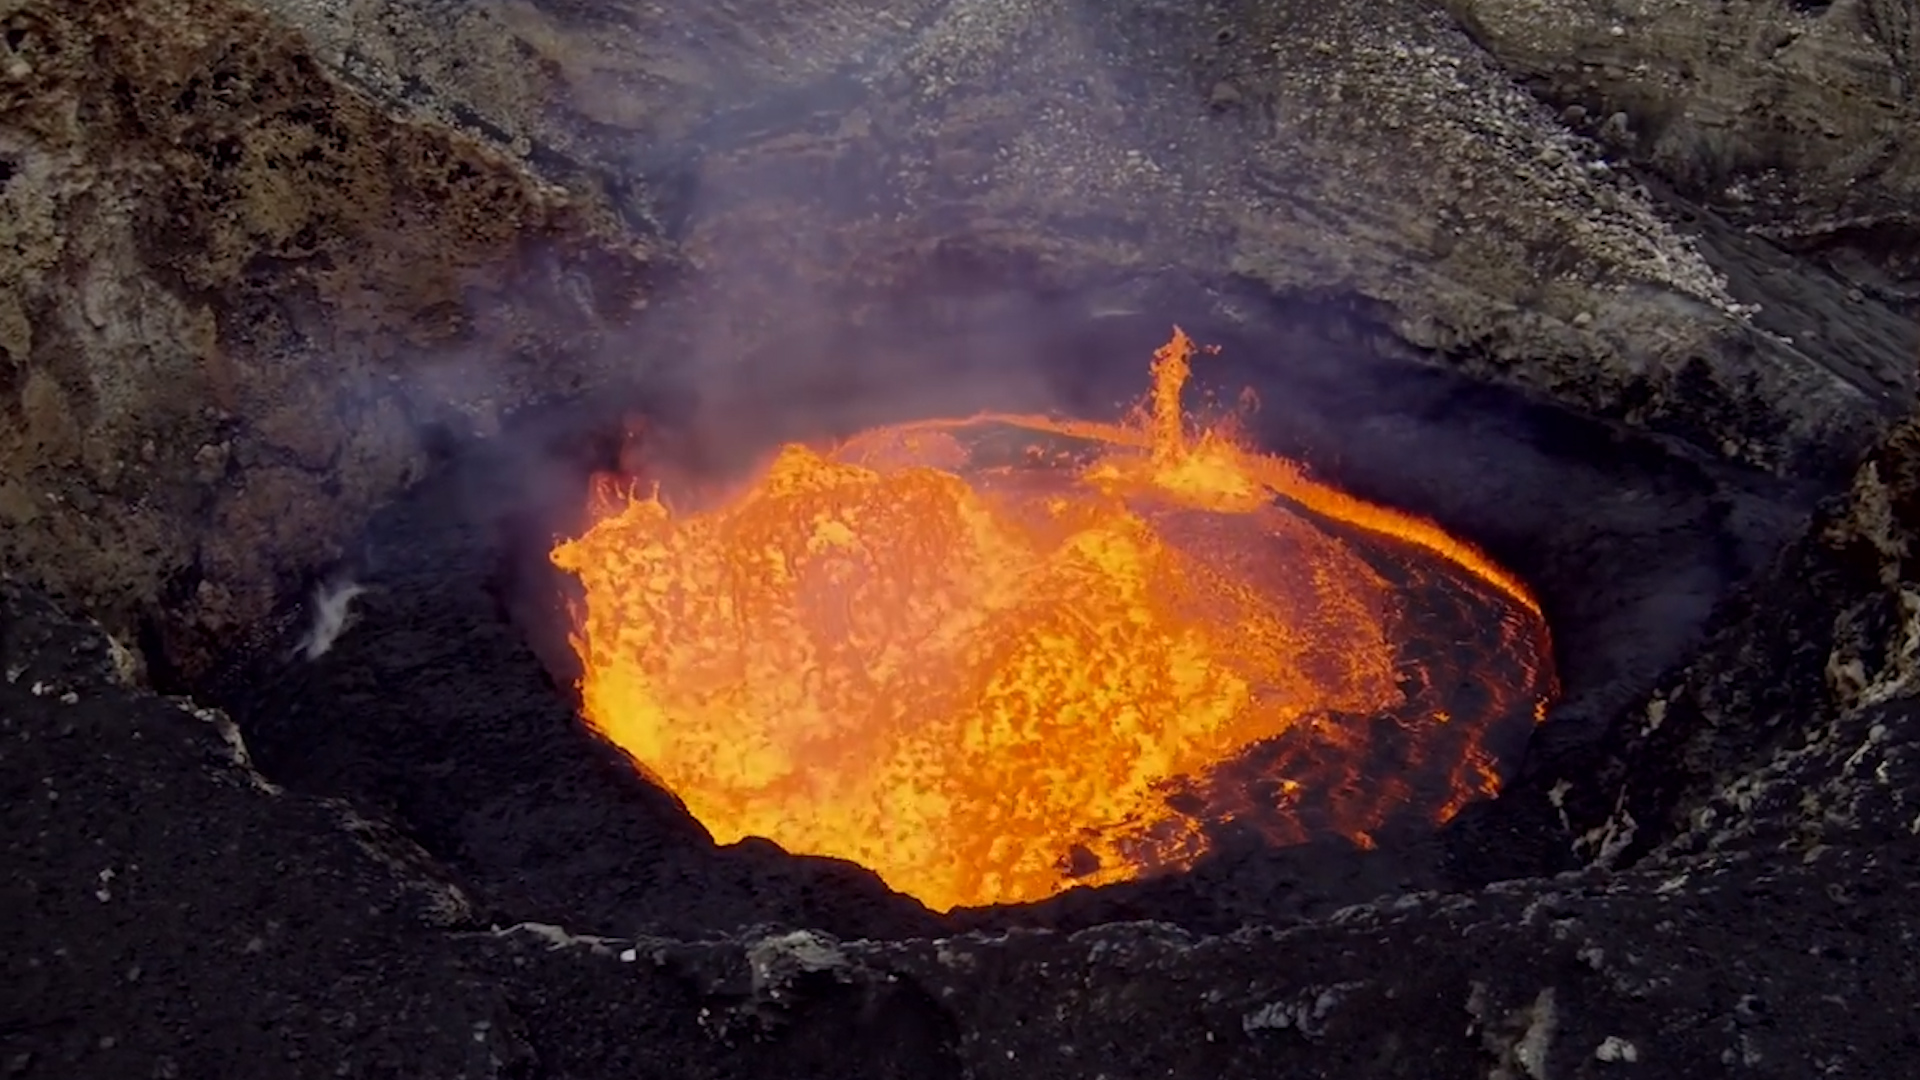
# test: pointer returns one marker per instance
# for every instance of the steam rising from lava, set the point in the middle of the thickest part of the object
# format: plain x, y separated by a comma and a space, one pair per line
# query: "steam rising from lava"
996, 657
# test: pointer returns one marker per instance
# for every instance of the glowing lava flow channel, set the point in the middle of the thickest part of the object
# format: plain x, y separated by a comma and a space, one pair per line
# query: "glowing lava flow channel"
993, 658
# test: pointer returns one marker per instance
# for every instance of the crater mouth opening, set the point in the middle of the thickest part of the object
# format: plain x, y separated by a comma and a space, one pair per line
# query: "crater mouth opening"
1096, 650
991, 658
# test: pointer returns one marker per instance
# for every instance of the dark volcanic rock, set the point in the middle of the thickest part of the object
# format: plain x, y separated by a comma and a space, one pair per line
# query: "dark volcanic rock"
1770, 971
170, 914
1793, 119
233, 295
167, 914
822, 161
251, 271
1794, 727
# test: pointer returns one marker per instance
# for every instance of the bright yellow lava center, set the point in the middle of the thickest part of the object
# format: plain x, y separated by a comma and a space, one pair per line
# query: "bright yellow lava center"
981, 677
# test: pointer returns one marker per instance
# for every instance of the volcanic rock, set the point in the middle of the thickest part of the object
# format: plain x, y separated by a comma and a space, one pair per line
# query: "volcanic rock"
1819, 752
236, 295
174, 913
266, 262
1793, 120
1374, 156
263, 258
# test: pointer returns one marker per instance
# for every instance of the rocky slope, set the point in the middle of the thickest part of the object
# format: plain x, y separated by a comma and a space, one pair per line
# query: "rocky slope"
260, 258
1367, 152
233, 293
1792, 119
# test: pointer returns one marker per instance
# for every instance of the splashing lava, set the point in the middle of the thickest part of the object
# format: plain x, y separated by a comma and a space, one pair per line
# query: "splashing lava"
993, 658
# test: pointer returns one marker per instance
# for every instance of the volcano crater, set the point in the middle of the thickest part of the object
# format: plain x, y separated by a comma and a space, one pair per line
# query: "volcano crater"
449, 704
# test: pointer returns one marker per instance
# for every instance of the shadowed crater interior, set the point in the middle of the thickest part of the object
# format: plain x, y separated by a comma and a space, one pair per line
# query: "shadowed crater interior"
450, 702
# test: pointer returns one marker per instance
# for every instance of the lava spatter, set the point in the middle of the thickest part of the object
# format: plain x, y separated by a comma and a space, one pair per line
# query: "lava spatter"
996, 657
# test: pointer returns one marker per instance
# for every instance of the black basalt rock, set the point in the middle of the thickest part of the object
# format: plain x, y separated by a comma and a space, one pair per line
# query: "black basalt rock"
171, 914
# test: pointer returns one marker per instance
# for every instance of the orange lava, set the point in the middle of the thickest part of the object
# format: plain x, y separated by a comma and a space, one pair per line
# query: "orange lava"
993, 658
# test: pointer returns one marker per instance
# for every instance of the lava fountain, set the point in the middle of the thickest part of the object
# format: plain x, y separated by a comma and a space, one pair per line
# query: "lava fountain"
993, 658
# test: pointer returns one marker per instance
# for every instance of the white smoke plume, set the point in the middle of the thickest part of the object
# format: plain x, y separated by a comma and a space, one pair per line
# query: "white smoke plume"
331, 609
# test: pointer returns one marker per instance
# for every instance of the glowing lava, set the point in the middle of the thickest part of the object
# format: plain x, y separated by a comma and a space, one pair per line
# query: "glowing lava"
993, 658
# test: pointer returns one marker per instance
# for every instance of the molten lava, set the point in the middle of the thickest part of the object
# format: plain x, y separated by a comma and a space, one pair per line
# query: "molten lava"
993, 658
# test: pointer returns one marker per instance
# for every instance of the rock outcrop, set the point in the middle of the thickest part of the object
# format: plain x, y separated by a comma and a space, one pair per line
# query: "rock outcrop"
1794, 120
1820, 751
234, 295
